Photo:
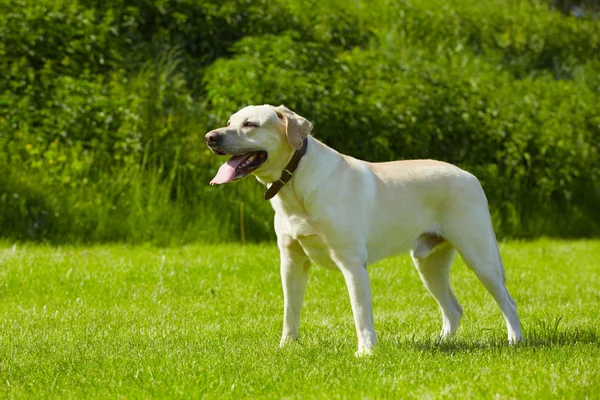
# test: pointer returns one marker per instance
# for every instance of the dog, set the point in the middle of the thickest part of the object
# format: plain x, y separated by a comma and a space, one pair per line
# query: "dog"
344, 214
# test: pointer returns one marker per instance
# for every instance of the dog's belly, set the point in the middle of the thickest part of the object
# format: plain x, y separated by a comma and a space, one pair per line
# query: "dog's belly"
384, 250
390, 242
317, 250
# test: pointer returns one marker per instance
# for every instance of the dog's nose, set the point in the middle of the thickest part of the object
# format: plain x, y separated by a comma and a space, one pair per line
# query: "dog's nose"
212, 137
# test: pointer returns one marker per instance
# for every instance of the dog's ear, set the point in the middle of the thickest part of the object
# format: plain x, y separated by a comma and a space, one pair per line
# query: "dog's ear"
297, 128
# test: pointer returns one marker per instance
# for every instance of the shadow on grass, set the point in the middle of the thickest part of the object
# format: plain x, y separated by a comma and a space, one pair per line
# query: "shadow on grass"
540, 334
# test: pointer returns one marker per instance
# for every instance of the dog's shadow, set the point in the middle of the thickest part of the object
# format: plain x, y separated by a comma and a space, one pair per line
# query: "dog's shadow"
540, 334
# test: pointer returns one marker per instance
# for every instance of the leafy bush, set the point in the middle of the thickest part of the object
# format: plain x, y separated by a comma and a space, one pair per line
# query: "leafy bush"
106, 104
531, 141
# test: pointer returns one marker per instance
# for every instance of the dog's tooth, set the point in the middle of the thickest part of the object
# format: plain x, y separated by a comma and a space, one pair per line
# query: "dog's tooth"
248, 161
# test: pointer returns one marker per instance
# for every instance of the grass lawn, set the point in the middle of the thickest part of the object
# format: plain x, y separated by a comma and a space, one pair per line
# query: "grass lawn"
204, 321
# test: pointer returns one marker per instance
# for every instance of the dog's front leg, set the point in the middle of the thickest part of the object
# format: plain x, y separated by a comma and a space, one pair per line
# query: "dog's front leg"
294, 274
359, 288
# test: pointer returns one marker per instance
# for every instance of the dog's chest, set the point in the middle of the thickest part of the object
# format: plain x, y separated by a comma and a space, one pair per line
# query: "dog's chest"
310, 233
317, 249
292, 218
300, 226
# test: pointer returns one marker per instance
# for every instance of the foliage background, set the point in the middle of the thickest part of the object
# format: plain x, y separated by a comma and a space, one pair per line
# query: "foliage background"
104, 104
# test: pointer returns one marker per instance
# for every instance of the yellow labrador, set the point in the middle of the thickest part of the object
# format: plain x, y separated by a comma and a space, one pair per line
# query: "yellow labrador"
345, 214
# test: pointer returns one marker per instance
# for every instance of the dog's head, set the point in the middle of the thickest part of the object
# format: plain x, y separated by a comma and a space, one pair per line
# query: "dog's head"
261, 140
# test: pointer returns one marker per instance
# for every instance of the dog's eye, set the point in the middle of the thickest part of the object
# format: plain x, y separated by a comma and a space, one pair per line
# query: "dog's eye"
228, 123
249, 124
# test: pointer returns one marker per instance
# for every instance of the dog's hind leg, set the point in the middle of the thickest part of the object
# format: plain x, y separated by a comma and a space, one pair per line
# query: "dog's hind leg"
478, 247
434, 269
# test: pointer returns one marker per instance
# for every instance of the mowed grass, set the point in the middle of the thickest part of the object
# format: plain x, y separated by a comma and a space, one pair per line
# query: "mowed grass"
204, 321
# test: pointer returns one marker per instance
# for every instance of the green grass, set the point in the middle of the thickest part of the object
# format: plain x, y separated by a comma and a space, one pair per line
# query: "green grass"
204, 321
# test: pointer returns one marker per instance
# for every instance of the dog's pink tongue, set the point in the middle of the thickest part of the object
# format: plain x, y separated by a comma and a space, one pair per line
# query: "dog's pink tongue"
227, 171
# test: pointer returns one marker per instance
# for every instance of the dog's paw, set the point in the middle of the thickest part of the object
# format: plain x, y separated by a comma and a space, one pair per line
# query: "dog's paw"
445, 336
287, 339
364, 352
515, 340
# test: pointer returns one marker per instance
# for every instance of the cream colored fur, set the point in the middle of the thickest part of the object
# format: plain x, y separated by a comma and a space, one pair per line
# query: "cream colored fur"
344, 214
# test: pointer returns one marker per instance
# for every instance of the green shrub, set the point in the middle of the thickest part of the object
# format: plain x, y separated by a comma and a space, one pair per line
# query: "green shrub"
103, 107
533, 142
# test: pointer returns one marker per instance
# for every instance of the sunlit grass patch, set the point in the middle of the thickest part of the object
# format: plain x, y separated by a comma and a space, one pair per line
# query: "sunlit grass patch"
204, 321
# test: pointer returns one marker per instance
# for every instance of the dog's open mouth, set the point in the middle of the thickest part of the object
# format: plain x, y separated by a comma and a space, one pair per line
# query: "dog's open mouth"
239, 166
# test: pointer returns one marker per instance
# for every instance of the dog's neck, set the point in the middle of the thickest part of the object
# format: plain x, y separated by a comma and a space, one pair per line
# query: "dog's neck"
288, 171
313, 170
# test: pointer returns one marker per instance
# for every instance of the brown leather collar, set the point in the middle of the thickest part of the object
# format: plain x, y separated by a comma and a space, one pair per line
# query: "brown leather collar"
287, 173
